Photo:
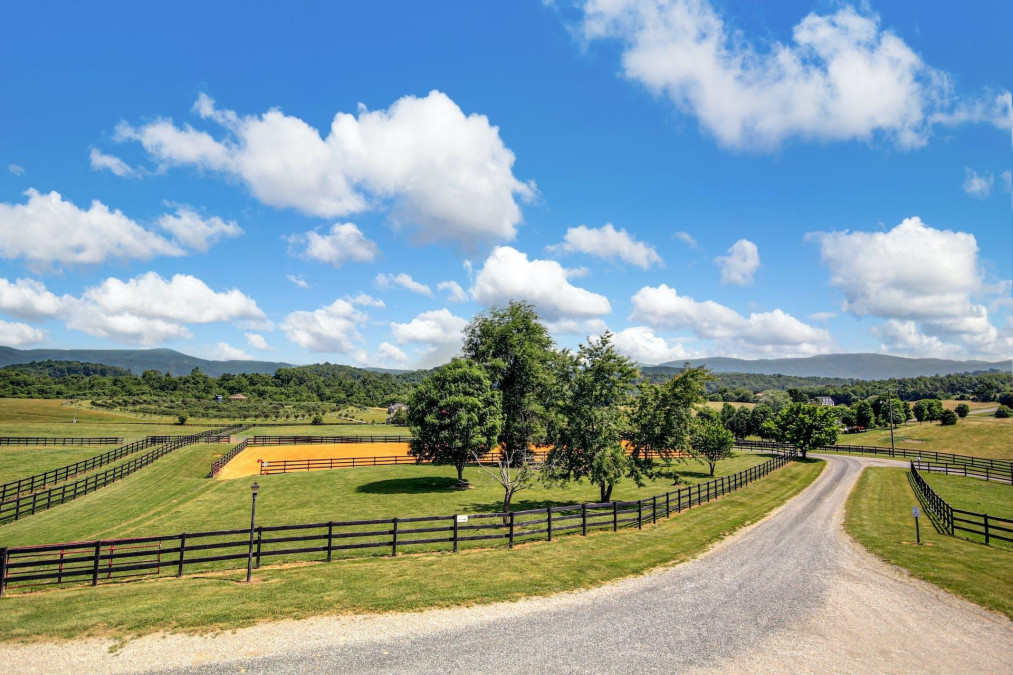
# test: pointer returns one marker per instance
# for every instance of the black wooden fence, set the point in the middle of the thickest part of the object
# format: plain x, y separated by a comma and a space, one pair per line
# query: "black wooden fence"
276, 466
954, 520
94, 561
62, 440
936, 457
321, 440
19, 507
41, 480
997, 474
220, 463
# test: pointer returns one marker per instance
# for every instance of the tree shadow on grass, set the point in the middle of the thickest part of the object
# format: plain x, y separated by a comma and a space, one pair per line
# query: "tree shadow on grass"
409, 486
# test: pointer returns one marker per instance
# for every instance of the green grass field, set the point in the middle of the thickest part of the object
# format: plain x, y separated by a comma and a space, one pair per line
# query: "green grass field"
879, 517
172, 496
330, 429
973, 494
407, 583
978, 436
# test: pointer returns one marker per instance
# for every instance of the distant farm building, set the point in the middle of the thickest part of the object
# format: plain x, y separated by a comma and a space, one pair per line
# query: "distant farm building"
237, 397
825, 400
394, 407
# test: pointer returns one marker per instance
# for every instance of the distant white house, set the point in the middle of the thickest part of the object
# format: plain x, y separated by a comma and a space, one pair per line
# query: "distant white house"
825, 400
394, 407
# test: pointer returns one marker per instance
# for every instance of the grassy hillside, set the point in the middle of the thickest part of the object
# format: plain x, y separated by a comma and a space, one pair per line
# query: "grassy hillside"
977, 435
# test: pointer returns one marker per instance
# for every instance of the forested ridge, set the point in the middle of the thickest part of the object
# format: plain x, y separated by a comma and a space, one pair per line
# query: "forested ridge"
349, 385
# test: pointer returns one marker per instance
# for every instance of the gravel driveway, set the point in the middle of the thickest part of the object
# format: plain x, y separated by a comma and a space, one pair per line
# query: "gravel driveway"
790, 594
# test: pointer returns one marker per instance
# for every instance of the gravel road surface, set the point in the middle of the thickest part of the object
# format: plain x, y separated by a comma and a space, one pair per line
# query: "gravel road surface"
789, 594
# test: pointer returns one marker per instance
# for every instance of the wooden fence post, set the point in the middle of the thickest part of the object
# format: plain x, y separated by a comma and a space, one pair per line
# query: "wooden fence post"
260, 535
511, 529
548, 514
583, 518
94, 569
640, 514
330, 539
182, 552
455, 533
615, 516
985, 517
654, 509
394, 540
3, 570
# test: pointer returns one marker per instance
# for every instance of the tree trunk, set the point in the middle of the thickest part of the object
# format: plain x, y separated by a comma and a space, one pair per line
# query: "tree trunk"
605, 491
460, 473
802, 452
712, 465
508, 496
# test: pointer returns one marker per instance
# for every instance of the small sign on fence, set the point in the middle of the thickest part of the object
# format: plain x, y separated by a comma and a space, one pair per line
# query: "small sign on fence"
462, 519
915, 511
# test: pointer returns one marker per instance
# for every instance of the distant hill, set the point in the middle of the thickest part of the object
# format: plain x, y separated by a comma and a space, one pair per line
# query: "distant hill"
139, 360
857, 366
58, 369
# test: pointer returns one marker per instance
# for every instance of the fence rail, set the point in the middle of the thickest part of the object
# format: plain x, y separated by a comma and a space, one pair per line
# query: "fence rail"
1004, 465
95, 561
220, 463
997, 475
19, 507
957, 520
59, 440
277, 466
38, 481
319, 440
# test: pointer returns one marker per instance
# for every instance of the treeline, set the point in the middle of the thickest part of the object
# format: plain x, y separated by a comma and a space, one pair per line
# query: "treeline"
316, 383
347, 385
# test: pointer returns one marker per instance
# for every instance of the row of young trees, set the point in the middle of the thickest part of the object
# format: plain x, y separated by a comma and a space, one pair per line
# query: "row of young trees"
513, 391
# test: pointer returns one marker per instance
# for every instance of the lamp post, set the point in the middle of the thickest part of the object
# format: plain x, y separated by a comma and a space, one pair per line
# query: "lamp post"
889, 402
253, 520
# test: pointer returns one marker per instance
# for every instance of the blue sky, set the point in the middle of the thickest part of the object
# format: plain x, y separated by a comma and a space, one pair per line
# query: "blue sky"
353, 182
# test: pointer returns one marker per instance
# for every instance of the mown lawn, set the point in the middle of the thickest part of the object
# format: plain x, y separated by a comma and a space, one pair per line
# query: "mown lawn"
408, 583
879, 517
973, 494
172, 495
330, 429
978, 436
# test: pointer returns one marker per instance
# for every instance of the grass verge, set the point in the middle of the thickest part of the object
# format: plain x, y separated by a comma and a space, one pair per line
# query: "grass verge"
409, 583
879, 517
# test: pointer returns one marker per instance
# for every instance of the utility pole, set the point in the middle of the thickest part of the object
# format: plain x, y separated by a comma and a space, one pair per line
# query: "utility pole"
889, 402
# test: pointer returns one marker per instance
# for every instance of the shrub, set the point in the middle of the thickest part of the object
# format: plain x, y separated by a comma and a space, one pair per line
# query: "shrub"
183, 417
948, 417
1004, 411
318, 419
962, 410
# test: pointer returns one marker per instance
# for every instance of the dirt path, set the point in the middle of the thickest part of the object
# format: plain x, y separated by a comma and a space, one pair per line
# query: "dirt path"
790, 594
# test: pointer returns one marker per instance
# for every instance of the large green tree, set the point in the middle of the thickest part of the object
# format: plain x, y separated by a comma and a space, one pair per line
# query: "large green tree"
806, 426
711, 442
661, 419
513, 345
454, 415
592, 399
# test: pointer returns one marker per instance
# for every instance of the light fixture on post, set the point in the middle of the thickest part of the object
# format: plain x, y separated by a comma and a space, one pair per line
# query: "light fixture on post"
254, 489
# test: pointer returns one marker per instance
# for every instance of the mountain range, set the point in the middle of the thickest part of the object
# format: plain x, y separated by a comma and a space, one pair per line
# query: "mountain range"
858, 366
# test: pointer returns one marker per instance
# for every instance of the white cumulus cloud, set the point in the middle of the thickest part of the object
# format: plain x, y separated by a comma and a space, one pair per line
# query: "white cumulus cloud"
223, 351
13, 334
507, 274
436, 335
914, 273
774, 333
366, 300
196, 232
30, 299
48, 229
343, 243
608, 243
841, 77
334, 328
444, 174
387, 353
641, 344
741, 263
297, 280
454, 291
404, 281
257, 341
